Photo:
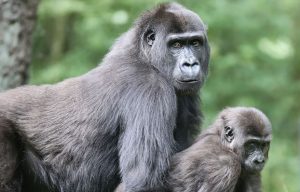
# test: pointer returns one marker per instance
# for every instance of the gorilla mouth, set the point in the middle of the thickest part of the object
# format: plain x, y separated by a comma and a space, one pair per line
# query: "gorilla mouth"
253, 167
188, 81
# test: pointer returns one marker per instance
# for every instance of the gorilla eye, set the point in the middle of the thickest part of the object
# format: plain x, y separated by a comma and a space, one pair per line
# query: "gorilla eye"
196, 43
251, 146
176, 44
265, 146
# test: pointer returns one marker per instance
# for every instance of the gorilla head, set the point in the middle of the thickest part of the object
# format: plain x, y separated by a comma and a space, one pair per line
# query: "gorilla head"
247, 131
228, 156
173, 39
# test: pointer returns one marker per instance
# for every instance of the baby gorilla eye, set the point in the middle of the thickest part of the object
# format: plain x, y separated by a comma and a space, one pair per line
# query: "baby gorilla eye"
265, 146
251, 146
176, 44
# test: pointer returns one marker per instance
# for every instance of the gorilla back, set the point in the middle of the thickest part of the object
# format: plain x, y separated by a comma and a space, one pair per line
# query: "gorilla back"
124, 119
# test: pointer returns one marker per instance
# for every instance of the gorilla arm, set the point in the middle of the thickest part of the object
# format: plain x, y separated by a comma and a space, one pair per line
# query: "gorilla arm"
146, 145
221, 173
204, 167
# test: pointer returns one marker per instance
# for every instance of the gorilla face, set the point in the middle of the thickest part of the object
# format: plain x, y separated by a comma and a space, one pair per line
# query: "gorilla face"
186, 50
248, 133
255, 154
177, 45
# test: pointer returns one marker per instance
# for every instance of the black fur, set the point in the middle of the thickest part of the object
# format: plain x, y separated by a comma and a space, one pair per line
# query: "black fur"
117, 121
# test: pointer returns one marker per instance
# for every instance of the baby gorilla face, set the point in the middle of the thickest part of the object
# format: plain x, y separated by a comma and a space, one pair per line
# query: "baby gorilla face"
247, 131
255, 155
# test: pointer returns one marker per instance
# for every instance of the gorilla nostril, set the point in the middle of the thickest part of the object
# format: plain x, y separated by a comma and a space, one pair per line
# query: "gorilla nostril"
195, 64
186, 65
190, 64
259, 161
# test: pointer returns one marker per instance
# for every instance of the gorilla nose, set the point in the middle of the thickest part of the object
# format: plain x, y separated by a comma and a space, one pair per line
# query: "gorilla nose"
190, 64
190, 69
259, 160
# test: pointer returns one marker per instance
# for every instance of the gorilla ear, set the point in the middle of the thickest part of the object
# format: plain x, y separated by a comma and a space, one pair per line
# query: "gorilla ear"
150, 37
228, 133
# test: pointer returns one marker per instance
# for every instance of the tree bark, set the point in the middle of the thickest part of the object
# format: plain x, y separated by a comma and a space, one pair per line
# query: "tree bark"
17, 20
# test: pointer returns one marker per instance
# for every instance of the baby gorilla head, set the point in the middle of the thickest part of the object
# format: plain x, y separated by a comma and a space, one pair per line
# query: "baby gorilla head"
228, 156
247, 131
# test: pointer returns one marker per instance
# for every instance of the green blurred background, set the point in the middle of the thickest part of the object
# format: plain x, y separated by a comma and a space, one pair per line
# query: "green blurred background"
255, 60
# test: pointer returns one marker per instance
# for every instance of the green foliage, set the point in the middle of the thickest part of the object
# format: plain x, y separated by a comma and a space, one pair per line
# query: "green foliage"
254, 61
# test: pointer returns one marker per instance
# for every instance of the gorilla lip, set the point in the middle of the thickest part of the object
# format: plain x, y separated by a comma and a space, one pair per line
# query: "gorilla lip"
188, 81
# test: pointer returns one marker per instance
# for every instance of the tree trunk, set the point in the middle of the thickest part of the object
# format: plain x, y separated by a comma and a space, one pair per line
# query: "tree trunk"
296, 67
17, 19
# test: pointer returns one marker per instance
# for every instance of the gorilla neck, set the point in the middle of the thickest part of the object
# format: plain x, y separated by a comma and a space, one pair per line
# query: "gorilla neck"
188, 113
246, 181
189, 93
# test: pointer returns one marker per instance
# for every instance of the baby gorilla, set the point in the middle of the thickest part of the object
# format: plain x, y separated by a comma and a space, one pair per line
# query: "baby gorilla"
227, 157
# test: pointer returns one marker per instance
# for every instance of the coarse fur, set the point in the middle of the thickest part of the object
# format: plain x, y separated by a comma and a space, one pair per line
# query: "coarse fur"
228, 156
121, 121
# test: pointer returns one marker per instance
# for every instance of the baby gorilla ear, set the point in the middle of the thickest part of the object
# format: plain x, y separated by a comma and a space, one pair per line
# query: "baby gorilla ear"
150, 37
228, 134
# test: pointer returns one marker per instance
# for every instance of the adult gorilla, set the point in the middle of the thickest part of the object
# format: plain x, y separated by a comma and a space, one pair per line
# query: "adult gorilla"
123, 119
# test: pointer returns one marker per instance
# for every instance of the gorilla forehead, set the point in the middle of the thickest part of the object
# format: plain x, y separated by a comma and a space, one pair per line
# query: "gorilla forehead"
184, 19
249, 120
255, 123
175, 18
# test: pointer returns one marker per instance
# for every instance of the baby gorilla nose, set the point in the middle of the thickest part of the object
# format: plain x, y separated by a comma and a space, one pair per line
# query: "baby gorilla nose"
259, 160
